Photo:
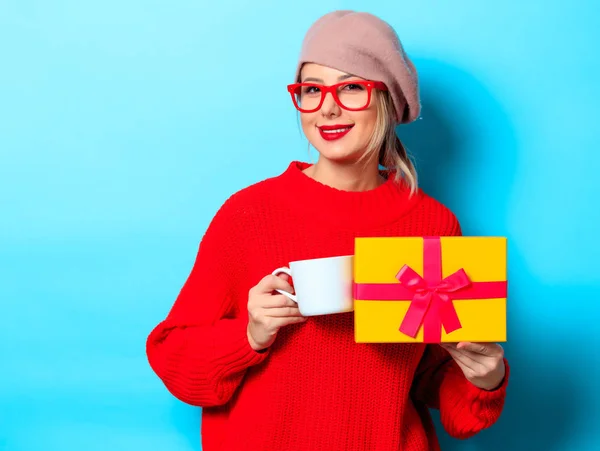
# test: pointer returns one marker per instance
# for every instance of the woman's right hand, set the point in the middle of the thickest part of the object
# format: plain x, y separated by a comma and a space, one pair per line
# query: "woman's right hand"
269, 312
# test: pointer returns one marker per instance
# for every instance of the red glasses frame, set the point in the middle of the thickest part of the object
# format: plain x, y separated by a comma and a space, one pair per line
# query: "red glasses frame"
332, 89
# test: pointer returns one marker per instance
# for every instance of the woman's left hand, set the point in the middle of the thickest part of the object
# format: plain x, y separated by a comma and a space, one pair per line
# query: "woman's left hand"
482, 363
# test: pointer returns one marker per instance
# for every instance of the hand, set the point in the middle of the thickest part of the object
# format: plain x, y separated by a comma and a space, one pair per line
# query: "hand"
269, 312
482, 363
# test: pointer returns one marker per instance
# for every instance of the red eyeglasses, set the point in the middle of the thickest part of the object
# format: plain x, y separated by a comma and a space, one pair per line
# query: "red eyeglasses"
349, 95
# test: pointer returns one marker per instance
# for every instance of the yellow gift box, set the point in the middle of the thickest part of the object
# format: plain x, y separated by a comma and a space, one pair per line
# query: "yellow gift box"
430, 289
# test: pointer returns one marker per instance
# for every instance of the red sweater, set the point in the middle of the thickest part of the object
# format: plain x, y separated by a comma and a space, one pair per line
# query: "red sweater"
315, 388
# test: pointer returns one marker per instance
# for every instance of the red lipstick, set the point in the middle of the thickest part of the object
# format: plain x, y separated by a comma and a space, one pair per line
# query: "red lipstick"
333, 132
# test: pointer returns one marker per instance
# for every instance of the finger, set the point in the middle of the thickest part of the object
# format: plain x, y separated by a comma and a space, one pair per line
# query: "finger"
463, 360
476, 357
276, 301
283, 312
284, 276
486, 349
478, 348
282, 322
271, 283
461, 347
448, 346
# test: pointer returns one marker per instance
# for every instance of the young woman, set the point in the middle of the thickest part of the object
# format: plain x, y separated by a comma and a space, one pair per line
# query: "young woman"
268, 378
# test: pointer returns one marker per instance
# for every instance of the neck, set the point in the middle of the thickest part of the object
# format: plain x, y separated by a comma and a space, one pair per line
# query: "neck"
346, 176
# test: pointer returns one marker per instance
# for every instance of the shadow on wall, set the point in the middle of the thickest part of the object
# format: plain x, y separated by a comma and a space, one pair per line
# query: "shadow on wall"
463, 147
465, 151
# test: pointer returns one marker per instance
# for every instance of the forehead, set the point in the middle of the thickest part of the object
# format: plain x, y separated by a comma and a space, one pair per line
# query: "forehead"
325, 73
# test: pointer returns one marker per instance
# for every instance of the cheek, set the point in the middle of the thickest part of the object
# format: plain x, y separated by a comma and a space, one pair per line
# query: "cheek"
307, 120
367, 121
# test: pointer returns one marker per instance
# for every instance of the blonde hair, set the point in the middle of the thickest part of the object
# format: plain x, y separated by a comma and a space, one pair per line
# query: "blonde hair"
385, 144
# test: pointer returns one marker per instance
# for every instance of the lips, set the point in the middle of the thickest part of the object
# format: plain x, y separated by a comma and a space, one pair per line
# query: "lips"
333, 132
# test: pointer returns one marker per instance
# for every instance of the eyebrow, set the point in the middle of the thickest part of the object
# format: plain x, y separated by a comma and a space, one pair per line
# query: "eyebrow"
318, 80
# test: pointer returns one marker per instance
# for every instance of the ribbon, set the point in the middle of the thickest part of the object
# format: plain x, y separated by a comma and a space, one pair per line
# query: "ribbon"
431, 296
425, 295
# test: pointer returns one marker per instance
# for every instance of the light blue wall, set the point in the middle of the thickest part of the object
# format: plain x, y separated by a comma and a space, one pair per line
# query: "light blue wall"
125, 124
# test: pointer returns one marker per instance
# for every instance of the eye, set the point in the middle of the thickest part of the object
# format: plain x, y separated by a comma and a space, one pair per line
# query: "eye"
310, 90
353, 87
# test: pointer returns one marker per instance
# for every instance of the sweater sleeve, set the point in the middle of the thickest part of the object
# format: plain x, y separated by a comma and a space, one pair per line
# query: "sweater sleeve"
464, 408
201, 350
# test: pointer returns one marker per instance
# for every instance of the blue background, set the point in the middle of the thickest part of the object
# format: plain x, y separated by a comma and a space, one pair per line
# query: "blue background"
125, 124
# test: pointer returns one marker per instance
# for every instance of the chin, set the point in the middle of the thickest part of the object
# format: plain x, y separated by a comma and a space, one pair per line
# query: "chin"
338, 153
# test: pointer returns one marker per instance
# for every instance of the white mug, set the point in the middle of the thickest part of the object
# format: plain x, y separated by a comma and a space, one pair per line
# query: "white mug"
322, 285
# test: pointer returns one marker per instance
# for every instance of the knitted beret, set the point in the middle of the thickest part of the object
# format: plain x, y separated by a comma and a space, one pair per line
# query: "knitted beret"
363, 45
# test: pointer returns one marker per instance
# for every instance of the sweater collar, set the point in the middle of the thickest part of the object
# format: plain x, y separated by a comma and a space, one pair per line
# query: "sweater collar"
347, 209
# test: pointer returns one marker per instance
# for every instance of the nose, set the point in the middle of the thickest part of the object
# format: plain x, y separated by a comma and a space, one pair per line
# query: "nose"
330, 108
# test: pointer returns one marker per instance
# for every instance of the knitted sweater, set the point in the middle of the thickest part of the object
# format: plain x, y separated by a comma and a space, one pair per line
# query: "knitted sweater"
315, 388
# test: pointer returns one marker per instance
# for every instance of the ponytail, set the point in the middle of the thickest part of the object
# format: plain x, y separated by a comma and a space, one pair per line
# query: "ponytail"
391, 152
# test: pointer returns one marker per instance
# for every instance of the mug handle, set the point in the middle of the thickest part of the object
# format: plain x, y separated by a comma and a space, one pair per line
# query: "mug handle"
285, 293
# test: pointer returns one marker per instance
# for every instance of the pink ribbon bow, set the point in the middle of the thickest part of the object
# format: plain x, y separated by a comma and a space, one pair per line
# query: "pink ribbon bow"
435, 297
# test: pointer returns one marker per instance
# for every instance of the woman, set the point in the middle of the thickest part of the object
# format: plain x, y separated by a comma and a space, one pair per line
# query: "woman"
268, 378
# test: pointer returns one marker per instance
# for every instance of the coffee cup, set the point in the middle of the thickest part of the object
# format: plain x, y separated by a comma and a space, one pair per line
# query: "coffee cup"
323, 286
